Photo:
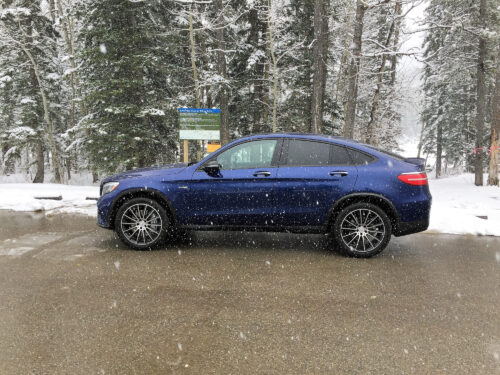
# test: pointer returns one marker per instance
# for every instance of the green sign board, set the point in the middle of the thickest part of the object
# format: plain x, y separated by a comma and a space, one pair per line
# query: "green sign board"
199, 124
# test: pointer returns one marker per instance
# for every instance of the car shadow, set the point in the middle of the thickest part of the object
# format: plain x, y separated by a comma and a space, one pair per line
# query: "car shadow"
236, 241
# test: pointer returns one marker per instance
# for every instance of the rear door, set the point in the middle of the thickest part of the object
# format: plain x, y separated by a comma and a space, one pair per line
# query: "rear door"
312, 175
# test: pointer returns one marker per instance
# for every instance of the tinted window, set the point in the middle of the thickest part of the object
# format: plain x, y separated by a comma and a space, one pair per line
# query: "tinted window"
256, 154
308, 153
339, 156
360, 158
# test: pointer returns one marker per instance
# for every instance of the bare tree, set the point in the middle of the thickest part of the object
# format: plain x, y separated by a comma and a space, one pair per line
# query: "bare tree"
370, 128
22, 37
275, 66
352, 93
320, 55
495, 129
222, 70
481, 98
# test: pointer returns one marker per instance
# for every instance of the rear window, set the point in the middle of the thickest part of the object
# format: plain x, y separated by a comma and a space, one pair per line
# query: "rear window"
339, 156
360, 158
308, 153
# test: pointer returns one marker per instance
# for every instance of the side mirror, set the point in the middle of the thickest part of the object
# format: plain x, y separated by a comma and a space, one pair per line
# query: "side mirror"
212, 167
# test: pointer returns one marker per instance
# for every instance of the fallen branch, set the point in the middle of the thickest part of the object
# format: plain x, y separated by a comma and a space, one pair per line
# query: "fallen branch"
59, 198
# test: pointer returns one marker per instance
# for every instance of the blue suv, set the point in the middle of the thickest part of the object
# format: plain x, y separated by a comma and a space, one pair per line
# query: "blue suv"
301, 183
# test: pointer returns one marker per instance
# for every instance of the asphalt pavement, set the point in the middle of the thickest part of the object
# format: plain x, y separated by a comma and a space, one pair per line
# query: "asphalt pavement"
74, 300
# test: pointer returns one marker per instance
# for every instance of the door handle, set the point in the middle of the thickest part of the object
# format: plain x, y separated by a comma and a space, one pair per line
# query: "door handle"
262, 173
339, 173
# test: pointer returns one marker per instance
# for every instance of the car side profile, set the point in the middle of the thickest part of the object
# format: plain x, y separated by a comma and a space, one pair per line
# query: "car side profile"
300, 183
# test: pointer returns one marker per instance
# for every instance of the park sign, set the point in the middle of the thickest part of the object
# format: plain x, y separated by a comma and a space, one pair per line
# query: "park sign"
199, 124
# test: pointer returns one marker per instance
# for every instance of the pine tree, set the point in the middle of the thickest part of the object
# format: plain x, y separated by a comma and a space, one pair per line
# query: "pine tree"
130, 78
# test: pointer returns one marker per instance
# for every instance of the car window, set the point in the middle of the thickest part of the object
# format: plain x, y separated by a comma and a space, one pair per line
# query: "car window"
256, 154
308, 153
360, 158
339, 156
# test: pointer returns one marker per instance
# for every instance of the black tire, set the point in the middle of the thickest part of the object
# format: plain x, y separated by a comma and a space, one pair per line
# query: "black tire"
362, 230
142, 223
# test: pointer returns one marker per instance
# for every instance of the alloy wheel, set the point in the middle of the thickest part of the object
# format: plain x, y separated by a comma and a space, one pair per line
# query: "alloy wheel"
362, 230
141, 224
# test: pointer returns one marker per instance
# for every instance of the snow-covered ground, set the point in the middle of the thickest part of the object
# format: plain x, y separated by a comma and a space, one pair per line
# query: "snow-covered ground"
457, 203
21, 197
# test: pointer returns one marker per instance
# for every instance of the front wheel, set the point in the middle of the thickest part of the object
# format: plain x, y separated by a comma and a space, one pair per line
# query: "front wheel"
141, 223
362, 230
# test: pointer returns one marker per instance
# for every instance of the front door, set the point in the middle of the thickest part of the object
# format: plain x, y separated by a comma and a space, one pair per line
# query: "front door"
311, 177
241, 194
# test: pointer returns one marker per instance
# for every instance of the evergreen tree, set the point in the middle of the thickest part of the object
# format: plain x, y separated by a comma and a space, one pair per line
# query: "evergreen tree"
130, 78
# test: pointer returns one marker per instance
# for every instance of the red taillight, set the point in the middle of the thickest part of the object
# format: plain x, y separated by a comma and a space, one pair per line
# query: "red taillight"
414, 178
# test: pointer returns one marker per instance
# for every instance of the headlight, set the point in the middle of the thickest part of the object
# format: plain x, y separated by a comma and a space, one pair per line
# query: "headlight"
109, 187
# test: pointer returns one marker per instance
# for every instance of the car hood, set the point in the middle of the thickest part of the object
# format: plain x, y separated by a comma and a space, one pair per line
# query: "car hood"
163, 170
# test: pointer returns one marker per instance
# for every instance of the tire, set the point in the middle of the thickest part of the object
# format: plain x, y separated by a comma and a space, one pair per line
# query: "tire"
142, 223
362, 230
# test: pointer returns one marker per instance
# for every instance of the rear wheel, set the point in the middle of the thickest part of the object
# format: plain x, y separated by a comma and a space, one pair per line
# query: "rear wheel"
142, 223
362, 230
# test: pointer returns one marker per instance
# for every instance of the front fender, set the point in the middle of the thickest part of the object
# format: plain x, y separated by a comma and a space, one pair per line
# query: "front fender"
127, 194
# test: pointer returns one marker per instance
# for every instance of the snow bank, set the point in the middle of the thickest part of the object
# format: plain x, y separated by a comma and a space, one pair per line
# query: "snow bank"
457, 203
21, 197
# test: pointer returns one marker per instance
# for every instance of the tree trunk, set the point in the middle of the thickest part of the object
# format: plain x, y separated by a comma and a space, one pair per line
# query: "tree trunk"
480, 100
345, 52
257, 29
493, 168
222, 70
370, 128
352, 95
495, 129
193, 60
40, 165
47, 117
421, 140
439, 149
397, 31
275, 69
37, 85
195, 74
320, 54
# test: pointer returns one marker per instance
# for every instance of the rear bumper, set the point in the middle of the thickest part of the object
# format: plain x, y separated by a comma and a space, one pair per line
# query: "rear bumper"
410, 227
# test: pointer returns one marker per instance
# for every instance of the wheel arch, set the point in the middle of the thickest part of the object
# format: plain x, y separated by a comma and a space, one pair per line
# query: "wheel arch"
379, 200
141, 193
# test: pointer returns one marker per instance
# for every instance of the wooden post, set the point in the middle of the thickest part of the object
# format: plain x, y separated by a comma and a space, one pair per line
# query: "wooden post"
186, 151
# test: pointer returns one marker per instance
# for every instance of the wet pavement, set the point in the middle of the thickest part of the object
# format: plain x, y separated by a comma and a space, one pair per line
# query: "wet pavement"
73, 300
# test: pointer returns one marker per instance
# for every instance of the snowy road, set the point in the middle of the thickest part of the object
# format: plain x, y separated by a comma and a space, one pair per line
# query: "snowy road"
73, 300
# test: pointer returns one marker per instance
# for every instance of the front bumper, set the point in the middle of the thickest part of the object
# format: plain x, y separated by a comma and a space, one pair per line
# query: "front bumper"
103, 210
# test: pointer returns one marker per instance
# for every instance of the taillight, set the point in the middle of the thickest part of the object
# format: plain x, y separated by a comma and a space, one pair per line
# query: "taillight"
414, 178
